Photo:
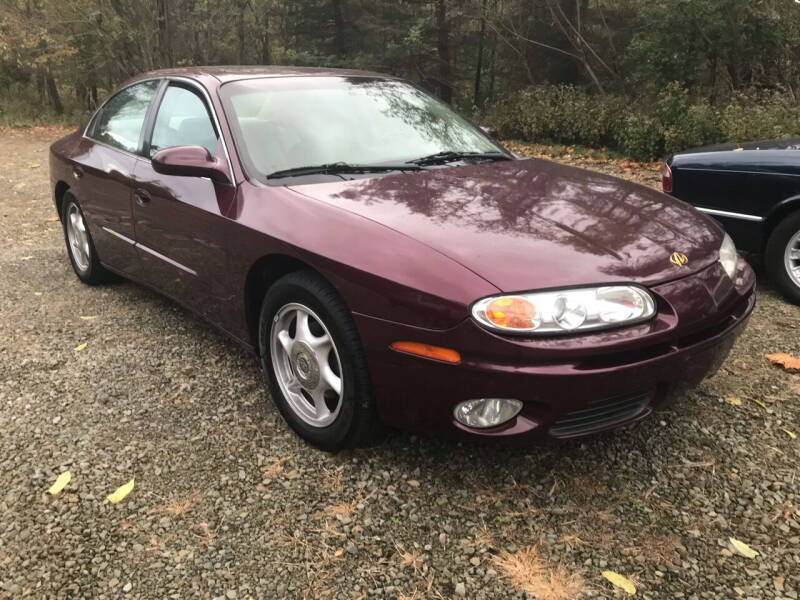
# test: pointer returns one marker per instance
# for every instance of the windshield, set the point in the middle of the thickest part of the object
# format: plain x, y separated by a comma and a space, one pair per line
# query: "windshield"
290, 122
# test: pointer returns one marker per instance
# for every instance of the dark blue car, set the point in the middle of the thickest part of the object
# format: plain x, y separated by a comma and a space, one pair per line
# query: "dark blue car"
753, 189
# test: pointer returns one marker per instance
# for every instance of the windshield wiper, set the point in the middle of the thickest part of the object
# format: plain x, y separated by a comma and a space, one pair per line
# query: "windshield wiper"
340, 167
453, 155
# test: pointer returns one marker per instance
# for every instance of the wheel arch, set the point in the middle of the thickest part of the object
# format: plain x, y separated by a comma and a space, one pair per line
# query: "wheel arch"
58, 195
261, 275
776, 214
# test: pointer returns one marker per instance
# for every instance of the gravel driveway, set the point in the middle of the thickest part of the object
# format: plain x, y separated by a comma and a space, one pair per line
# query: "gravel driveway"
228, 503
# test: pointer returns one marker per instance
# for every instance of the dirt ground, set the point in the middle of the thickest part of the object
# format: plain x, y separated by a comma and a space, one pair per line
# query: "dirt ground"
229, 503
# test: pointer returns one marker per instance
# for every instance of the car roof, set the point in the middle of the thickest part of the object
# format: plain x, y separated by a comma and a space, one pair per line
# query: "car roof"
233, 73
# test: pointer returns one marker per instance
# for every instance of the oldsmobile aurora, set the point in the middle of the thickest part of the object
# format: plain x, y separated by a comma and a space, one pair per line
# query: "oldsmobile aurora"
390, 263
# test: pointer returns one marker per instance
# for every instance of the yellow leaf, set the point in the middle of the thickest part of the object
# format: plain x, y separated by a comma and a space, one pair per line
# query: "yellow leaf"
760, 403
743, 548
80, 347
339, 552
621, 582
738, 149
119, 495
791, 434
733, 400
60, 483
92, 318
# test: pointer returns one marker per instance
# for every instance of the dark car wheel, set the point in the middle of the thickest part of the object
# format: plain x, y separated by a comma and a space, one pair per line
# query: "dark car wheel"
80, 247
314, 363
782, 257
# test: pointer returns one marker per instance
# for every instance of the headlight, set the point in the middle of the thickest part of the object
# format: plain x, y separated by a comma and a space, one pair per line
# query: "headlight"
728, 256
563, 311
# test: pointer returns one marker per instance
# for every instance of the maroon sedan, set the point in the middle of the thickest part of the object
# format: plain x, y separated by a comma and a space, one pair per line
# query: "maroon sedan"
392, 264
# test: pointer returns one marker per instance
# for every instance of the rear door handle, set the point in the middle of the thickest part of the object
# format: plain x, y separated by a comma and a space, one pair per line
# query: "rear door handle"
77, 172
142, 196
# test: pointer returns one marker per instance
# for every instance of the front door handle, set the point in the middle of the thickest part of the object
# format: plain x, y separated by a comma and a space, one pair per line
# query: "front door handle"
77, 172
142, 196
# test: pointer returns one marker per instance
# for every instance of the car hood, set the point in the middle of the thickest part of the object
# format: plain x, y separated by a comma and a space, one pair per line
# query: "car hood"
534, 224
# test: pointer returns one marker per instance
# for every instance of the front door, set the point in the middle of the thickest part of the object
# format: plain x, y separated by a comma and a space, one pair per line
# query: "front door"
178, 219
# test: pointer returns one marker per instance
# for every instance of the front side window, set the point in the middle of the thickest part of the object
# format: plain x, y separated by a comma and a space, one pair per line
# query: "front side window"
183, 120
288, 122
120, 121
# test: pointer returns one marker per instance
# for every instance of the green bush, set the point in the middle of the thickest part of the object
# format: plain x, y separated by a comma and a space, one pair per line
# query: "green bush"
558, 114
639, 137
644, 128
751, 116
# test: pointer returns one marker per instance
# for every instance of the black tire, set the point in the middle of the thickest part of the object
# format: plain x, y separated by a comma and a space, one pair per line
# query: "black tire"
93, 273
774, 257
357, 423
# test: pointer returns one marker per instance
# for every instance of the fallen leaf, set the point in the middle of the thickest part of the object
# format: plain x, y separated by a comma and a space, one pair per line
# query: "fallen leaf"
60, 483
733, 400
121, 492
413, 483
80, 347
26, 258
787, 361
92, 318
743, 548
738, 149
34, 165
791, 434
53, 219
339, 552
20, 185
37, 293
621, 582
759, 402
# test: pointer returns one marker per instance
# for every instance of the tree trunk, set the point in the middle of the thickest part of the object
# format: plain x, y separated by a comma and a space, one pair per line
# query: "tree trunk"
240, 52
479, 63
52, 92
266, 57
339, 33
164, 48
443, 47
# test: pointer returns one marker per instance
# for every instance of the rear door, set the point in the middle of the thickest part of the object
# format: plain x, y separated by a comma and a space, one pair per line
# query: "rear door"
178, 219
114, 138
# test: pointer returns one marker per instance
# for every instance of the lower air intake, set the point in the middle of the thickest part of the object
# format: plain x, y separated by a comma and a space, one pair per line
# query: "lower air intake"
602, 414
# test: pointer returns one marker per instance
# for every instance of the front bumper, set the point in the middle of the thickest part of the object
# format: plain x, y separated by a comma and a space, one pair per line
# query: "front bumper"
699, 318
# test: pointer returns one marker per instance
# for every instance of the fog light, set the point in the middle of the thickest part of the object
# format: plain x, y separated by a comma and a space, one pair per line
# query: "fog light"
486, 412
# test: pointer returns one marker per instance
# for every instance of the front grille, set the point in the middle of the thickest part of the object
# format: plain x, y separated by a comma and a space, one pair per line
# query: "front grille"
601, 414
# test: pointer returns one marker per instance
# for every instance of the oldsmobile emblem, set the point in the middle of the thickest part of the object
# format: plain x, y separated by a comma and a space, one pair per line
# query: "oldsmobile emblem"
678, 259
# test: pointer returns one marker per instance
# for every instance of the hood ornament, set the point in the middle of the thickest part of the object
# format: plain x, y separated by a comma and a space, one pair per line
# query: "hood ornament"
678, 259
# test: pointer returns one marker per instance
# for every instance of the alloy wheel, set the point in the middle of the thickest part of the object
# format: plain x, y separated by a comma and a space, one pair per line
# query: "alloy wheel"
306, 364
78, 238
791, 258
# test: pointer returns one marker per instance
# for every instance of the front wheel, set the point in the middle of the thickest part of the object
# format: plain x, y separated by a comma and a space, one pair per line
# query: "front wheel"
782, 257
314, 363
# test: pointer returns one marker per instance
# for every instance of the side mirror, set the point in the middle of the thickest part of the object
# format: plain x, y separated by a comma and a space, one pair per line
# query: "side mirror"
490, 131
190, 161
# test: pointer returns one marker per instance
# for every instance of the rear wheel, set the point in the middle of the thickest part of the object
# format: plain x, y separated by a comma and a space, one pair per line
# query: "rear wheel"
314, 364
782, 257
80, 247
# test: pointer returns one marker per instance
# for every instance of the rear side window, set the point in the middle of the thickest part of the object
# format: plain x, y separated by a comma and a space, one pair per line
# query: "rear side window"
183, 120
120, 121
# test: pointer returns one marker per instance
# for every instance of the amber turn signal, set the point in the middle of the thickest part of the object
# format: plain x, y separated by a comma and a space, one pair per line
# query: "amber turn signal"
426, 350
511, 312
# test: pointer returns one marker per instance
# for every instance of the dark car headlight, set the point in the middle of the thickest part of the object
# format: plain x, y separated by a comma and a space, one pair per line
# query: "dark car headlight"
564, 311
728, 256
